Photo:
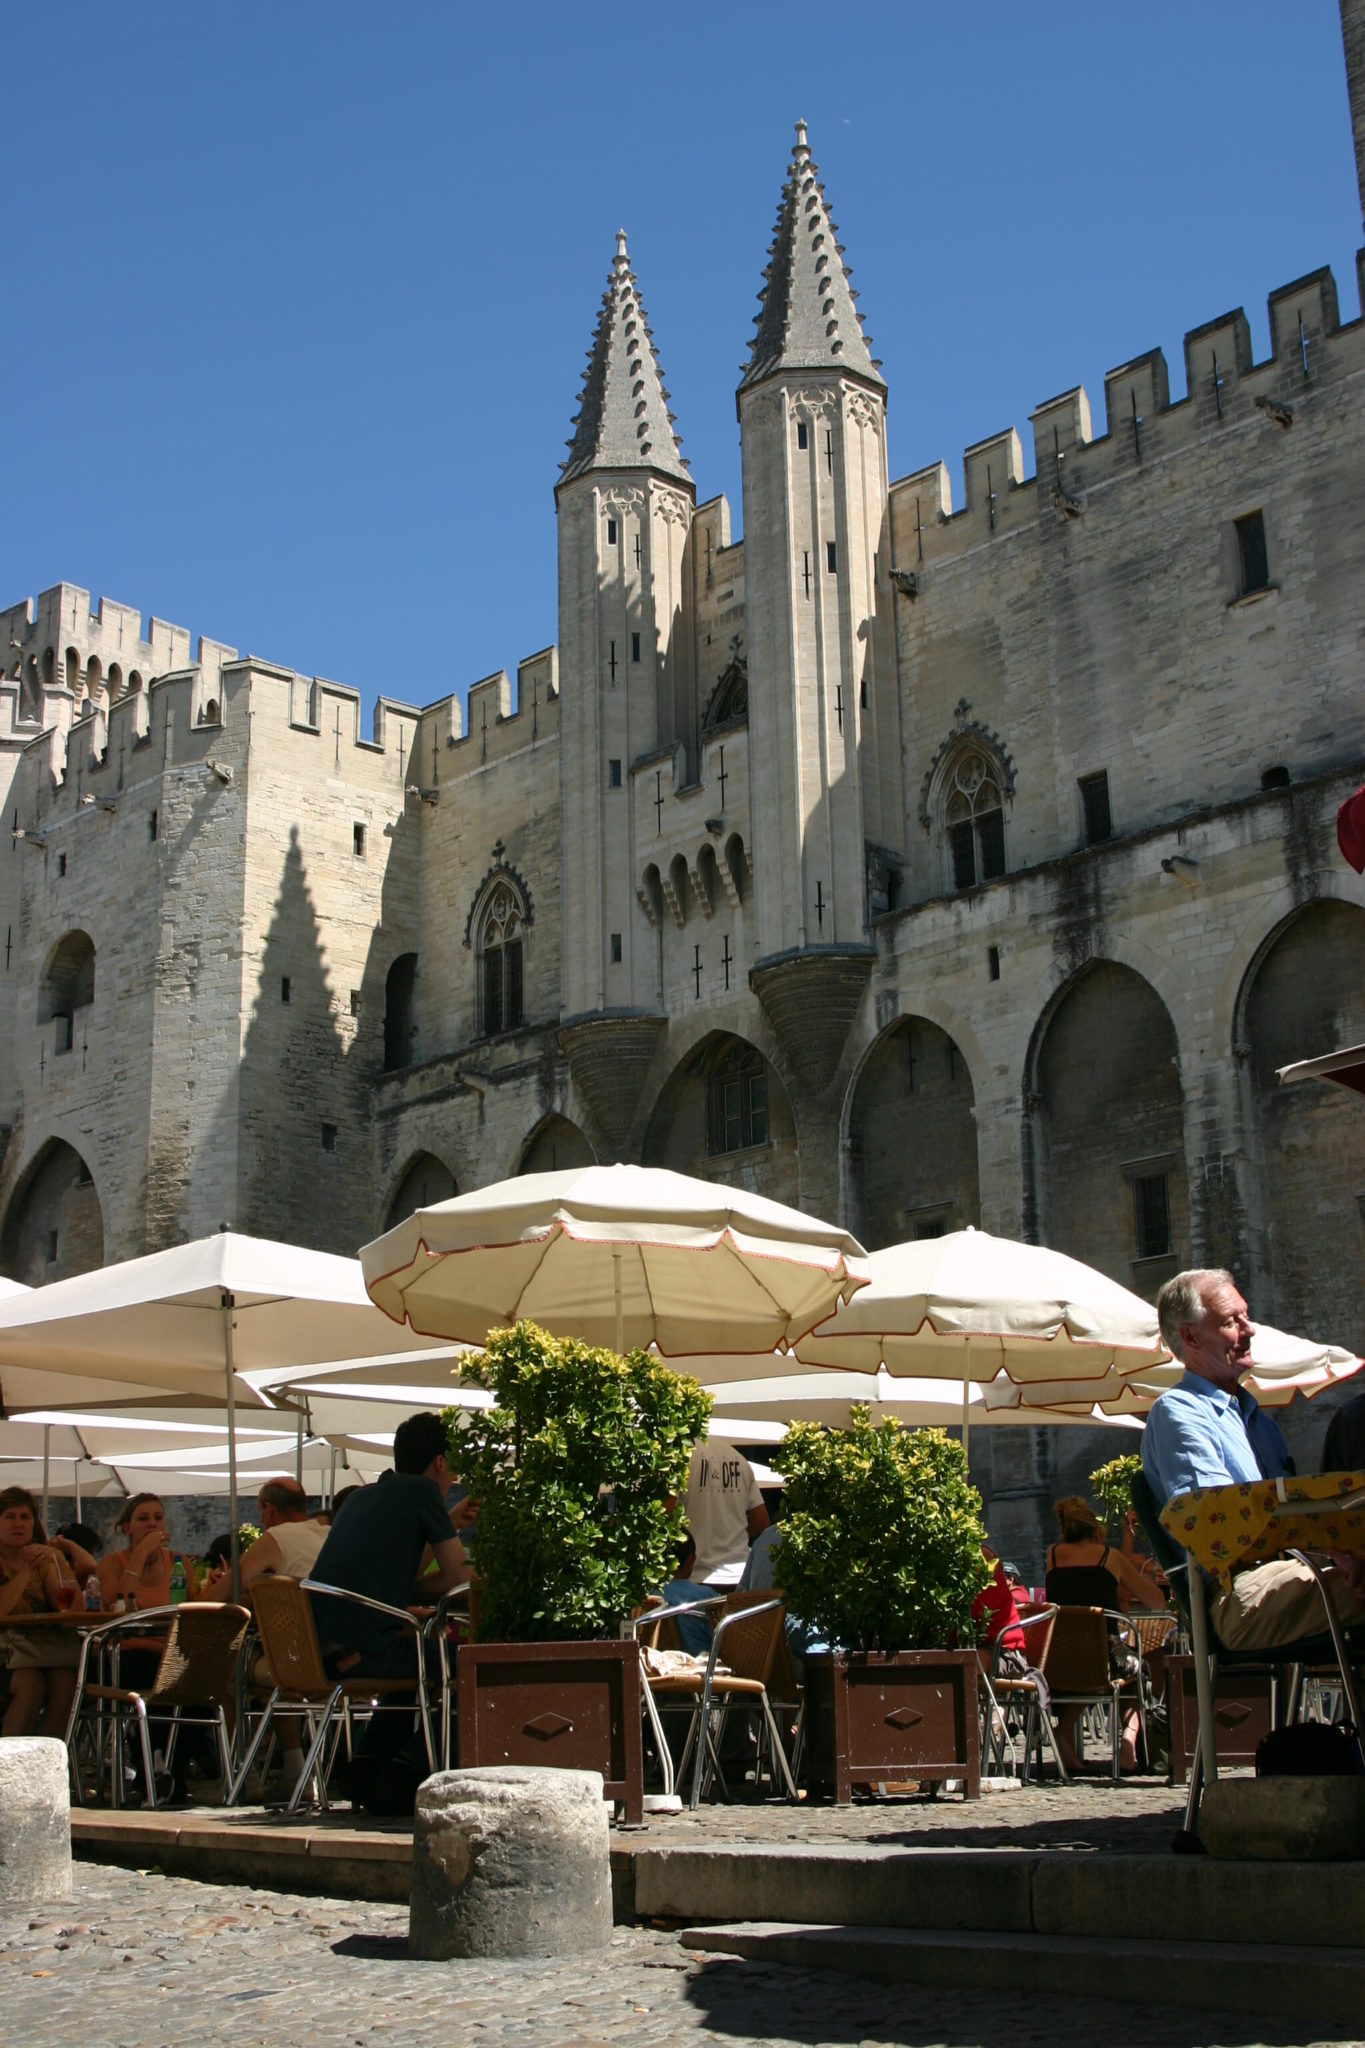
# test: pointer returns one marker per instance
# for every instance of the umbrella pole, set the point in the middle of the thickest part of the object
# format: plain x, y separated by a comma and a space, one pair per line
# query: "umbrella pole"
966, 1407
228, 1306
620, 1308
298, 1449
76, 1483
47, 1469
332, 1477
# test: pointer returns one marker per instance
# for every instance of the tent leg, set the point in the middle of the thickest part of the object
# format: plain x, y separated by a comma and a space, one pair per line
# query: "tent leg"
230, 1372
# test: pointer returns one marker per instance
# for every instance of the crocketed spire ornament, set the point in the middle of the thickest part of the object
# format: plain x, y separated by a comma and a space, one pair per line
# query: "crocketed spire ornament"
623, 421
808, 318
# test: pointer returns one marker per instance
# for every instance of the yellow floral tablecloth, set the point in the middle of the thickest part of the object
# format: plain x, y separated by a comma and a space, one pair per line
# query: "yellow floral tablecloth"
1226, 1527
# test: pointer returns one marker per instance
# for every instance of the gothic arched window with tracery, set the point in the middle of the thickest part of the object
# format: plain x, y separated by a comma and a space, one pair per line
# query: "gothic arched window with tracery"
498, 954
974, 820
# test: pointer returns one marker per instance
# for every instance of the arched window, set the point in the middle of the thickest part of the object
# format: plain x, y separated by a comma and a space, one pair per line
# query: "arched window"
497, 950
398, 1024
737, 1100
73, 669
974, 820
68, 985
115, 681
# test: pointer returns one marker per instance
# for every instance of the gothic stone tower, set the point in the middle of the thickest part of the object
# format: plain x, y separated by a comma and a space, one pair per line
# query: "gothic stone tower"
812, 410
625, 502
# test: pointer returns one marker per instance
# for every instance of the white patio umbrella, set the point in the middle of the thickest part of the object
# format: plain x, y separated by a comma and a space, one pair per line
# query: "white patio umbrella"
830, 1397
1282, 1366
195, 1320
629, 1255
969, 1307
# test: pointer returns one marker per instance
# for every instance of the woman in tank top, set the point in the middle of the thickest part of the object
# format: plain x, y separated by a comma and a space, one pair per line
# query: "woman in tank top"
1083, 1571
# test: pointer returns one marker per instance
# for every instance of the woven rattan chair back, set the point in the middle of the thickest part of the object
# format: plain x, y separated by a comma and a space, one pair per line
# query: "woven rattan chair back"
199, 1663
1078, 1654
750, 1647
289, 1637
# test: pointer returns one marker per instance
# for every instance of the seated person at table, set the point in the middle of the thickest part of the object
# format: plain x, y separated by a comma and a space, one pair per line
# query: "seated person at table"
289, 1544
80, 1545
140, 1573
694, 1634
378, 1547
1208, 1431
724, 1511
761, 1575
1082, 1571
42, 1664
994, 1611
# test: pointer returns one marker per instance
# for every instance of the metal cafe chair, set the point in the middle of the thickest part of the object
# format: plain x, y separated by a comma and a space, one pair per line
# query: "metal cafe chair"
1005, 1691
195, 1683
301, 1683
658, 1620
745, 1641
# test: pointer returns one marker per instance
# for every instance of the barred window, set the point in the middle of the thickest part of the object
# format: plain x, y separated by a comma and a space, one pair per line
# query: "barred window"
975, 823
737, 1101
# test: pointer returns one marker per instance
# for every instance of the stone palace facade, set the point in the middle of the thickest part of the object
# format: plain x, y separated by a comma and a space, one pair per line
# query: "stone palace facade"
922, 862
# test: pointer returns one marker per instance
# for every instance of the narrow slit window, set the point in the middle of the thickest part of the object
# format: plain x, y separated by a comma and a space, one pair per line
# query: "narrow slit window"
329, 1137
611, 533
635, 647
1099, 824
993, 962
153, 825
613, 774
802, 437
355, 1002
832, 557
1252, 560
616, 949
358, 841
61, 863
285, 989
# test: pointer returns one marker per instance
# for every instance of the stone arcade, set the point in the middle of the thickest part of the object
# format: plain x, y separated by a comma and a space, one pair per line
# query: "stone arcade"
924, 866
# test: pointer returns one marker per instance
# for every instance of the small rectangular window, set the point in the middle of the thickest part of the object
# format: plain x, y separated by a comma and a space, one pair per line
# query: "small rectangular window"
61, 863
152, 825
355, 1002
993, 962
1252, 561
802, 437
635, 647
831, 558
616, 948
284, 988
329, 1137
930, 1226
1151, 1215
613, 775
1095, 807
52, 1247
358, 841
611, 533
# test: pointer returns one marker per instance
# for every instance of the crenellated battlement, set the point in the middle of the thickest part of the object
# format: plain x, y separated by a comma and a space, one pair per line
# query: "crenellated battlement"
1226, 389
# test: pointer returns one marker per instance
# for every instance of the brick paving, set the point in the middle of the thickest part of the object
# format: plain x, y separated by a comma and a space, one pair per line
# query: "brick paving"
137, 1960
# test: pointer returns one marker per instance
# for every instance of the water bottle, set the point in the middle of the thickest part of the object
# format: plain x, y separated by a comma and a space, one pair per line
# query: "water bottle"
179, 1584
93, 1602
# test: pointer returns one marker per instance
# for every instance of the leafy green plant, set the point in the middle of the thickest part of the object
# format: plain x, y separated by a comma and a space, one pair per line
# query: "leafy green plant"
572, 1469
1111, 1485
881, 1535
247, 1534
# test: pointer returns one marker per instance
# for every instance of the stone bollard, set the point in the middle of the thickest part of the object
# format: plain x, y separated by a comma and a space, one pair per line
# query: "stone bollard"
509, 1861
35, 1820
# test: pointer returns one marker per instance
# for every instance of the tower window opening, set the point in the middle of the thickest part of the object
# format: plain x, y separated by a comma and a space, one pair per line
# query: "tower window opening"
1253, 563
286, 988
1275, 778
52, 1247
500, 940
611, 533
1099, 824
358, 841
802, 437
61, 863
355, 1002
329, 1137
829, 450
831, 557
635, 647
993, 962
613, 775
153, 825
975, 823
616, 949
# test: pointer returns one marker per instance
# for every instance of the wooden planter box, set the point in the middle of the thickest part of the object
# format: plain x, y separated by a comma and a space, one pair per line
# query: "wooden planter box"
1241, 1715
910, 1715
566, 1706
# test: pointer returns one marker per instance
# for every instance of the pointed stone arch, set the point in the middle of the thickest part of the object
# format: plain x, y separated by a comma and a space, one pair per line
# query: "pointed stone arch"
425, 1179
1111, 1183
723, 1114
911, 1136
495, 931
728, 703
556, 1145
54, 1224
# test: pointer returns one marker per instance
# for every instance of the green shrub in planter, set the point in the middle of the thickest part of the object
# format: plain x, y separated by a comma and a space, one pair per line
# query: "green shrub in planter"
1111, 1485
572, 1468
881, 1535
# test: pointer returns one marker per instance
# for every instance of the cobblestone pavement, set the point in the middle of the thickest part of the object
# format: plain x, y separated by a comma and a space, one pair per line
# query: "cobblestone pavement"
135, 1960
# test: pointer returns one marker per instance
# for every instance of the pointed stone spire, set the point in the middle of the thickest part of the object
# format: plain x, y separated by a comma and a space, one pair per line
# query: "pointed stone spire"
623, 421
809, 320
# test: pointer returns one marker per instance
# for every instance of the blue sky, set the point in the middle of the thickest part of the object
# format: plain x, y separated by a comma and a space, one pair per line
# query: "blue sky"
300, 294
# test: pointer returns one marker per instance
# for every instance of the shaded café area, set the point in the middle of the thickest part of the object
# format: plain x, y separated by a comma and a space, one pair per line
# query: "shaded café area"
623, 1472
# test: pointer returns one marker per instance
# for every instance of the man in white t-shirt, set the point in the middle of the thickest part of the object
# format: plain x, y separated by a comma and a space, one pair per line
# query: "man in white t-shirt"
724, 1510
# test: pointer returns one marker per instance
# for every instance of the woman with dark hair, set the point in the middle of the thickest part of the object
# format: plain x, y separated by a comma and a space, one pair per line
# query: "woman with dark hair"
42, 1663
1082, 1571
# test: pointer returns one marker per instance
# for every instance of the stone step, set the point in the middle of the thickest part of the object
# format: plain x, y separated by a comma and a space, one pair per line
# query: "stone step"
1001, 1891
1321, 1988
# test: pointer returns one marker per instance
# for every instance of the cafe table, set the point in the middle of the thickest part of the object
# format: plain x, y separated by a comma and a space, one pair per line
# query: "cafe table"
1224, 1529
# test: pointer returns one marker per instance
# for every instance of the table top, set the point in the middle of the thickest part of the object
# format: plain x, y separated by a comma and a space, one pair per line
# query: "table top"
1225, 1527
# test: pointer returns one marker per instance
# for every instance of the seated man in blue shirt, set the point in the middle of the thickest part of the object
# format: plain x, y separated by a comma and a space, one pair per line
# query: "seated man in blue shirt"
1208, 1431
